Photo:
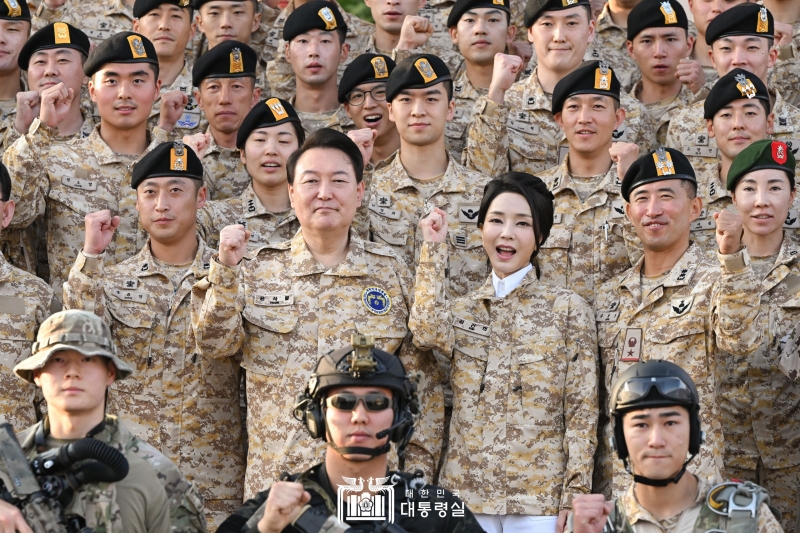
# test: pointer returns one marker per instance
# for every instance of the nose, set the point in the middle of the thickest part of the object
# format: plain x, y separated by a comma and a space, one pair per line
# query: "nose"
656, 439
324, 190
359, 414
659, 50
558, 33
224, 94
162, 202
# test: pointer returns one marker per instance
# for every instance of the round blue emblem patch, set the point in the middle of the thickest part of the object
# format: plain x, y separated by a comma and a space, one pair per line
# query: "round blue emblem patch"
376, 300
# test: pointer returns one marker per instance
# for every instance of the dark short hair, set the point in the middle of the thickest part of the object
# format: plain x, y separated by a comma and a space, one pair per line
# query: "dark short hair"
535, 192
5, 183
332, 140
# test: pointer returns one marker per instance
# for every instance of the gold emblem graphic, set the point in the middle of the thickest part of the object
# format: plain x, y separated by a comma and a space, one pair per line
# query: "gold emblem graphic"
381, 70
602, 77
670, 17
745, 86
663, 159
278, 111
14, 9
177, 157
137, 46
327, 17
763, 21
425, 69
237, 63
61, 32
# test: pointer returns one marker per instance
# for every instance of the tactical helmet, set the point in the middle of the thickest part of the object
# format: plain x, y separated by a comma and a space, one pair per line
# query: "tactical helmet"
651, 384
360, 365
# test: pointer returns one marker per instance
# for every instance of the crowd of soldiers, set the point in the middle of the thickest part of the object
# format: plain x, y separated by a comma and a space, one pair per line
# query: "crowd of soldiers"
519, 200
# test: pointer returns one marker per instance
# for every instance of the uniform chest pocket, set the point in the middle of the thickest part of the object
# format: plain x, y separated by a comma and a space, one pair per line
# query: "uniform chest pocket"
388, 228
16, 331
673, 339
77, 198
470, 357
133, 329
559, 238
533, 151
281, 319
455, 130
465, 236
539, 382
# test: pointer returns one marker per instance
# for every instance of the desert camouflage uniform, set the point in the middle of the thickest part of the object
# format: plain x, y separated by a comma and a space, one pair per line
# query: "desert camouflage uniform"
98, 20
688, 131
225, 169
396, 207
466, 96
184, 404
285, 310
258, 39
760, 405
663, 113
591, 241
246, 209
192, 119
784, 77
701, 305
279, 73
522, 132
337, 119
437, 11
523, 431
185, 505
73, 179
689, 520
25, 301
610, 45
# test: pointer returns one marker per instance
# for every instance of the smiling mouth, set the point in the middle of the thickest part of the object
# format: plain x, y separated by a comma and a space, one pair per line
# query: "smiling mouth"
372, 119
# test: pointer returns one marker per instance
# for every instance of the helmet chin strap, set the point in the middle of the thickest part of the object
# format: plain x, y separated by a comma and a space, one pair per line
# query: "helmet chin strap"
372, 452
660, 482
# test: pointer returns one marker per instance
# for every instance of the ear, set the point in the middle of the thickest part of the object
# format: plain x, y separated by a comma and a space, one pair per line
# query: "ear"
689, 45
629, 46
256, 96
360, 192
347, 109
202, 195
511, 32
530, 33
345, 51
773, 57
391, 115
710, 127
291, 194
136, 25
770, 123
199, 97
7, 213
112, 373
451, 110
453, 30
90, 85
559, 120
620, 117
256, 23
697, 208
592, 27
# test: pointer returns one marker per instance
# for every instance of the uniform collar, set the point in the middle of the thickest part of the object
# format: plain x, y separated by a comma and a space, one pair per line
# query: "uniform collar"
634, 512
106, 156
5, 268
253, 208
184, 79
534, 96
789, 252
214, 148
452, 182
510, 282
148, 266
304, 263
118, 7
679, 275
610, 183
604, 22
462, 87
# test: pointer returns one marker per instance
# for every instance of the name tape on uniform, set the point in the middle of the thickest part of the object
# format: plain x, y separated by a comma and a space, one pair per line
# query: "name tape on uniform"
473, 327
131, 295
273, 299
385, 211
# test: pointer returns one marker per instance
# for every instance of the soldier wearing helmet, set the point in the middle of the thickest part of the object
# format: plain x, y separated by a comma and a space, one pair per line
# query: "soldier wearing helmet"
657, 431
73, 361
359, 400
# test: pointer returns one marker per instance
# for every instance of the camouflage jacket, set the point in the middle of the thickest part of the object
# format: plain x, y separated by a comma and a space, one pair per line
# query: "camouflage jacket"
688, 131
98, 20
662, 115
337, 119
73, 179
522, 135
279, 73
524, 389
610, 45
591, 241
181, 402
284, 310
466, 96
227, 174
192, 119
759, 403
702, 306
183, 504
396, 207
247, 210
25, 301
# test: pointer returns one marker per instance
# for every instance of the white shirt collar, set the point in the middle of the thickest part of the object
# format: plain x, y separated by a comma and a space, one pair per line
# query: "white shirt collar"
504, 286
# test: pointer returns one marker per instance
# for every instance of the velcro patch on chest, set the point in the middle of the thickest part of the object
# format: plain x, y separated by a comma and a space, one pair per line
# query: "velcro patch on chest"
680, 306
273, 299
80, 180
468, 213
131, 295
792, 221
632, 349
473, 327
607, 316
387, 212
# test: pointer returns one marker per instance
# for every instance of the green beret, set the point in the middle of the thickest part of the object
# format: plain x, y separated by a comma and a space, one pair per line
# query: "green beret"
266, 113
593, 77
229, 59
366, 68
56, 35
741, 19
658, 165
122, 47
535, 8
314, 15
167, 160
416, 72
143, 7
656, 14
737, 84
15, 10
462, 6
759, 156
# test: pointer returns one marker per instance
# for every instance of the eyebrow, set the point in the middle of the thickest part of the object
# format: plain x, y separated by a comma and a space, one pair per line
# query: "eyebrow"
490, 12
495, 212
662, 189
645, 35
644, 416
172, 181
426, 93
111, 73
317, 173
570, 16
770, 180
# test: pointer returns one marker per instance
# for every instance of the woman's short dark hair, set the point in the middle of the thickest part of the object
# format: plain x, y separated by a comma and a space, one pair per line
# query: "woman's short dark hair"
535, 192
331, 139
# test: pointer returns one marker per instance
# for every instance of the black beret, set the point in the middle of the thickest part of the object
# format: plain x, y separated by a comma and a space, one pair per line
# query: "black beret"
658, 165
15, 10
229, 59
737, 84
593, 77
56, 35
266, 113
416, 72
759, 156
534, 8
741, 19
462, 6
143, 7
366, 68
167, 160
123, 47
656, 14
314, 15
